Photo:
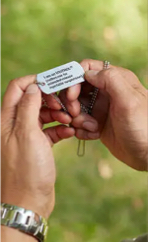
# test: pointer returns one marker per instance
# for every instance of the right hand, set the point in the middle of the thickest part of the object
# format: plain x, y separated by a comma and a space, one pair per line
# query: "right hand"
119, 115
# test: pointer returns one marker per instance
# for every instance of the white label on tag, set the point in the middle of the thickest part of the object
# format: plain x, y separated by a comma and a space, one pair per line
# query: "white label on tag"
60, 77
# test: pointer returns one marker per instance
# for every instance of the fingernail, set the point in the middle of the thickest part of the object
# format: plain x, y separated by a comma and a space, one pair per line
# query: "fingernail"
90, 126
93, 135
33, 88
91, 73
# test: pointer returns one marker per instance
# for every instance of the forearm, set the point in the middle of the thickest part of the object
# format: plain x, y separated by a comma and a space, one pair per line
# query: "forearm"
12, 235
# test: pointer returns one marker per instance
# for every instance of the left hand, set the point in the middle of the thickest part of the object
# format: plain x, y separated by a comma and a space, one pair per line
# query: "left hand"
28, 169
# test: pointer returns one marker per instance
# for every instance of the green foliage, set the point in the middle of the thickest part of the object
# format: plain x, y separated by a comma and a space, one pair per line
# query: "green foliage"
97, 198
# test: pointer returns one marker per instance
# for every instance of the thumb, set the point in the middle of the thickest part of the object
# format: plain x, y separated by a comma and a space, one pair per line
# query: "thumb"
110, 80
29, 107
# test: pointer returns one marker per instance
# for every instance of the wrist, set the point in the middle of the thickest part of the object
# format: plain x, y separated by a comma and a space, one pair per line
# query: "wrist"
39, 204
8, 233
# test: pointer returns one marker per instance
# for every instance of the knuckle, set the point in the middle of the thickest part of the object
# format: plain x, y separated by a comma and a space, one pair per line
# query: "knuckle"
111, 73
130, 106
86, 60
129, 73
14, 81
131, 76
112, 77
24, 79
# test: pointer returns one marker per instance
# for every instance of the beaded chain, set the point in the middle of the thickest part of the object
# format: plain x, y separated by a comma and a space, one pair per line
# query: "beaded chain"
84, 109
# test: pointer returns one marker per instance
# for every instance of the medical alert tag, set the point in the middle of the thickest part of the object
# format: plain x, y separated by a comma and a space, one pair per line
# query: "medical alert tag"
60, 77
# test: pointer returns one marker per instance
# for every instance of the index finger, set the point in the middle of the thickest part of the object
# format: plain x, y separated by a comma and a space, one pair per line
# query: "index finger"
73, 92
87, 64
96, 65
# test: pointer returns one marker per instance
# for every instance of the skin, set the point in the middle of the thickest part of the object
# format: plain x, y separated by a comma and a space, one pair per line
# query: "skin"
119, 119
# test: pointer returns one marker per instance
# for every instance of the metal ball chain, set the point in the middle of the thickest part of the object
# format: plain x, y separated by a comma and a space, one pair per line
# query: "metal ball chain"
88, 109
94, 94
58, 100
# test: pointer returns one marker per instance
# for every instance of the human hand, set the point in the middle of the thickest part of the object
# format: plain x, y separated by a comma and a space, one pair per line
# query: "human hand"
28, 169
119, 116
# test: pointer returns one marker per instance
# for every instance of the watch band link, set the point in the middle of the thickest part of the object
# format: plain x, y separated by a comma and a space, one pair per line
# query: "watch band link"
24, 220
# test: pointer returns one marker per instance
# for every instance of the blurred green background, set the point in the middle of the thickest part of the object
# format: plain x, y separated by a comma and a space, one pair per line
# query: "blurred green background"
97, 197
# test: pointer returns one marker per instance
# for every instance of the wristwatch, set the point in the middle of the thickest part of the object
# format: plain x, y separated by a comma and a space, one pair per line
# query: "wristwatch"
24, 220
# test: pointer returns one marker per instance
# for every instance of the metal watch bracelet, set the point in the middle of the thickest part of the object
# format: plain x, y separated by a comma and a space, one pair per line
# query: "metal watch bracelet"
24, 220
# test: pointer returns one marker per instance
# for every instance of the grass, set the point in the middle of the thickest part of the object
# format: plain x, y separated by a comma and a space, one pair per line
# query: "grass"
97, 197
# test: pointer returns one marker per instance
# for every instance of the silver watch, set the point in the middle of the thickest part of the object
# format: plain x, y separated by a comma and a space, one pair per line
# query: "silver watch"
24, 220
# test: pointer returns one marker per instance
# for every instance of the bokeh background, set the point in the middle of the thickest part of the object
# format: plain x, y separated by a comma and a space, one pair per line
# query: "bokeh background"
97, 197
